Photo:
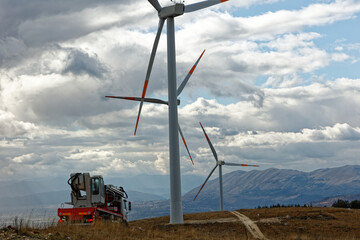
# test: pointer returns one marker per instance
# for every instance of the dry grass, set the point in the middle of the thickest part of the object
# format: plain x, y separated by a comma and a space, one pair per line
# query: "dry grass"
308, 223
275, 223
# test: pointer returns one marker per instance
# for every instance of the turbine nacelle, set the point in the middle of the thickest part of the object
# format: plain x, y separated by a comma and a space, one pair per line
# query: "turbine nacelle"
172, 11
220, 163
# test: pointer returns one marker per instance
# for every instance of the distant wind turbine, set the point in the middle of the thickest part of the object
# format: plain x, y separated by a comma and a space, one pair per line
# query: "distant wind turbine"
219, 164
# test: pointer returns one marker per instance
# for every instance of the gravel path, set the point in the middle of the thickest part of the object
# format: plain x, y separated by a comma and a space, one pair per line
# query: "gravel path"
250, 226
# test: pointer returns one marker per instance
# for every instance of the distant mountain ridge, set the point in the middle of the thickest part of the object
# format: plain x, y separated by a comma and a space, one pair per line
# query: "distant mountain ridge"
328, 202
264, 188
150, 184
51, 192
57, 198
272, 186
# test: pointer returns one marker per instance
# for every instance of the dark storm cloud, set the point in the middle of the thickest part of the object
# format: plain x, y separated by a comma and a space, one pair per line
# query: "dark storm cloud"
242, 91
10, 47
79, 62
13, 13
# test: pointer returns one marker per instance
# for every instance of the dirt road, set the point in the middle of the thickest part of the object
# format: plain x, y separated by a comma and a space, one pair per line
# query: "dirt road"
250, 226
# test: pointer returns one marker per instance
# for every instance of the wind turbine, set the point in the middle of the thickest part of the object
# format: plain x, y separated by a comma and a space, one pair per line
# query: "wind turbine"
219, 164
159, 101
169, 13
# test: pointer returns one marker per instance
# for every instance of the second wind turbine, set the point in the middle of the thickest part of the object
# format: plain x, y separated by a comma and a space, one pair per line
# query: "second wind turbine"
219, 164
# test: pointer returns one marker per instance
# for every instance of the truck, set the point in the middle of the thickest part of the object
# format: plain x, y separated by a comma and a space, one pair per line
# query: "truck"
92, 200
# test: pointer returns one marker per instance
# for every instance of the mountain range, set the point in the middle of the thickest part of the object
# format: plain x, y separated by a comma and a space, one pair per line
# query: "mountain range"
272, 186
264, 188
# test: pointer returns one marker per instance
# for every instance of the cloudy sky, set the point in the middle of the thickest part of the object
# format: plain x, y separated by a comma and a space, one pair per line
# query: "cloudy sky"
278, 86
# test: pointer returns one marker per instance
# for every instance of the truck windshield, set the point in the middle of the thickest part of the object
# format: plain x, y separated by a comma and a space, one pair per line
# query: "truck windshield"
95, 186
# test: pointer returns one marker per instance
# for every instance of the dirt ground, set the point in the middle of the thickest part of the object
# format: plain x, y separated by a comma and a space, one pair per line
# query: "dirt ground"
272, 223
307, 223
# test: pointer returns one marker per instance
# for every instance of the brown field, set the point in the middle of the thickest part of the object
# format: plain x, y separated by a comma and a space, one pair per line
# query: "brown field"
274, 223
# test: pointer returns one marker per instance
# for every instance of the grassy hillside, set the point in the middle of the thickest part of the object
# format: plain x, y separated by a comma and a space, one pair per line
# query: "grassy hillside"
274, 223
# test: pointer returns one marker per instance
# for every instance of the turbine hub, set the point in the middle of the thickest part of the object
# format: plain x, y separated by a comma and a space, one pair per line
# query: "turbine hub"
172, 11
220, 163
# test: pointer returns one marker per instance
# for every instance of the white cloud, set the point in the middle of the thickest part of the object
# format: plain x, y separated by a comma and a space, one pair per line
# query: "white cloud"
11, 127
94, 154
286, 55
292, 108
30, 158
265, 26
83, 22
240, 132
338, 132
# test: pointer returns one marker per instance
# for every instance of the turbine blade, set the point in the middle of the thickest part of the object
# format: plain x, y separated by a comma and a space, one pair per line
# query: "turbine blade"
210, 144
240, 164
205, 182
201, 5
150, 100
126, 98
152, 57
186, 79
187, 149
155, 4
138, 117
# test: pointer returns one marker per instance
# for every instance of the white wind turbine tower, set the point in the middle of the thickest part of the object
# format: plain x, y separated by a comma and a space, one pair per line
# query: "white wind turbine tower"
169, 13
219, 164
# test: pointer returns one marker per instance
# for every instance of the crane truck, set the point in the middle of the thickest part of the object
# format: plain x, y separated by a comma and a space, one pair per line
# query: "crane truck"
93, 200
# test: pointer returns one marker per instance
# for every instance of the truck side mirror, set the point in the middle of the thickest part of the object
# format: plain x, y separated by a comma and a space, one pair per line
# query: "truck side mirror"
129, 206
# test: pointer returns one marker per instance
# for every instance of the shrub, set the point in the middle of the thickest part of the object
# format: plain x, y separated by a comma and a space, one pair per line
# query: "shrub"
355, 204
341, 204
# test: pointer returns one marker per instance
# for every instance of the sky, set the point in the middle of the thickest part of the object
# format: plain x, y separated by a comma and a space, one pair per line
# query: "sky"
278, 86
